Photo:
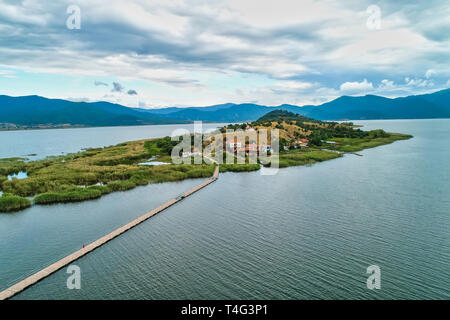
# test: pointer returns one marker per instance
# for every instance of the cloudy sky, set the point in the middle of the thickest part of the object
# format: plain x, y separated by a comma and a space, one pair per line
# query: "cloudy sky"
203, 52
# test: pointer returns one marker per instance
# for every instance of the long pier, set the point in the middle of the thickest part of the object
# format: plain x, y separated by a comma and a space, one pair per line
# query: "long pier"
22, 285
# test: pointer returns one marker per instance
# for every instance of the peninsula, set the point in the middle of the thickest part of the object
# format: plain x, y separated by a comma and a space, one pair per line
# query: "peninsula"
95, 172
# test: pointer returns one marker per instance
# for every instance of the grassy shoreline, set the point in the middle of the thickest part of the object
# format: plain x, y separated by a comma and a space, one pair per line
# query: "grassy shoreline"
352, 145
92, 173
10, 203
345, 145
26, 128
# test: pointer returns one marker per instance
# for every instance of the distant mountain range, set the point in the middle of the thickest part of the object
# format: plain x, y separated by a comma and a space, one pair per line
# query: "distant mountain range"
35, 111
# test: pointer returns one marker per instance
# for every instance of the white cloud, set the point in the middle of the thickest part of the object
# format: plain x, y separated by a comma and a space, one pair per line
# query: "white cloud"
275, 13
187, 44
356, 87
417, 82
387, 85
430, 73
30, 13
294, 85
277, 68
7, 74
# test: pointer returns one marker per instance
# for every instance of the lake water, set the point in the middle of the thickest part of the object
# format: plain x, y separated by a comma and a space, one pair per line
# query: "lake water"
19, 175
38, 144
305, 233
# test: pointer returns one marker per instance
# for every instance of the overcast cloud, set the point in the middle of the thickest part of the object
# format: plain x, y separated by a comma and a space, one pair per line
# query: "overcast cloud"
212, 51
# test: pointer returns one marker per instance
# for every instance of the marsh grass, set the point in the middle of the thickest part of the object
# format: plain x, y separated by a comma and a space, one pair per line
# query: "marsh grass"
2, 179
358, 144
9, 203
300, 158
95, 172
70, 195
74, 177
239, 167
11, 166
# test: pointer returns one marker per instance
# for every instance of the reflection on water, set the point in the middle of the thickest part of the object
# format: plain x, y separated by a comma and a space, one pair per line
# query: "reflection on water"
153, 163
19, 175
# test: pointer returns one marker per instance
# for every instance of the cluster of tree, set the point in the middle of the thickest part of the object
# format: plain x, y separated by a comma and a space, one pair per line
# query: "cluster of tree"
262, 124
319, 130
348, 132
379, 133
166, 145
283, 143
283, 115
316, 140
237, 126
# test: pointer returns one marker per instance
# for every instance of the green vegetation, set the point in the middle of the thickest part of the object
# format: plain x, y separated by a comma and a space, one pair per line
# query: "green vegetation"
70, 195
324, 140
10, 203
372, 141
161, 146
95, 172
293, 127
10, 166
239, 167
235, 127
92, 173
283, 115
300, 158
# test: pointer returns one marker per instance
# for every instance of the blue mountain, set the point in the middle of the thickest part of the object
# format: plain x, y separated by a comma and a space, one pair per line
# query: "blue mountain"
434, 105
35, 110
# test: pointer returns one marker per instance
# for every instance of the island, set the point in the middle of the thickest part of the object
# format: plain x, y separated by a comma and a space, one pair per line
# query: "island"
92, 173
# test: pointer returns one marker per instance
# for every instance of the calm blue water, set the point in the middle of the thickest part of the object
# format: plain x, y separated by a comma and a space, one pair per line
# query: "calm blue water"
38, 144
305, 233
19, 175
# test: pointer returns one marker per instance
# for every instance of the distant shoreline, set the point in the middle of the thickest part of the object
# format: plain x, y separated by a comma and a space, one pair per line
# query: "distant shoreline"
185, 123
110, 126
95, 172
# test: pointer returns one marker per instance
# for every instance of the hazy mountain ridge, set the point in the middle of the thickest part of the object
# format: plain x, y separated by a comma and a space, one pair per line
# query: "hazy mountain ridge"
434, 105
34, 110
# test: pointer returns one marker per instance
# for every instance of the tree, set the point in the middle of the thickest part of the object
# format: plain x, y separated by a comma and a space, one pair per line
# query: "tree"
315, 140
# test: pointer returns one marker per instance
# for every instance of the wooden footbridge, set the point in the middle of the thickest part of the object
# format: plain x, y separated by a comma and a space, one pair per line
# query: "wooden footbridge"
22, 285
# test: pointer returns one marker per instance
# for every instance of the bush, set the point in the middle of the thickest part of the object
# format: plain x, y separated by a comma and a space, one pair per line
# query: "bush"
70, 195
102, 189
199, 173
31, 186
379, 133
141, 178
11, 165
121, 185
239, 167
13, 203
305, 158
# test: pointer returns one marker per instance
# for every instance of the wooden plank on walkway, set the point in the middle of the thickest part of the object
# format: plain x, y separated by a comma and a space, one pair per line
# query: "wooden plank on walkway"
22, 285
